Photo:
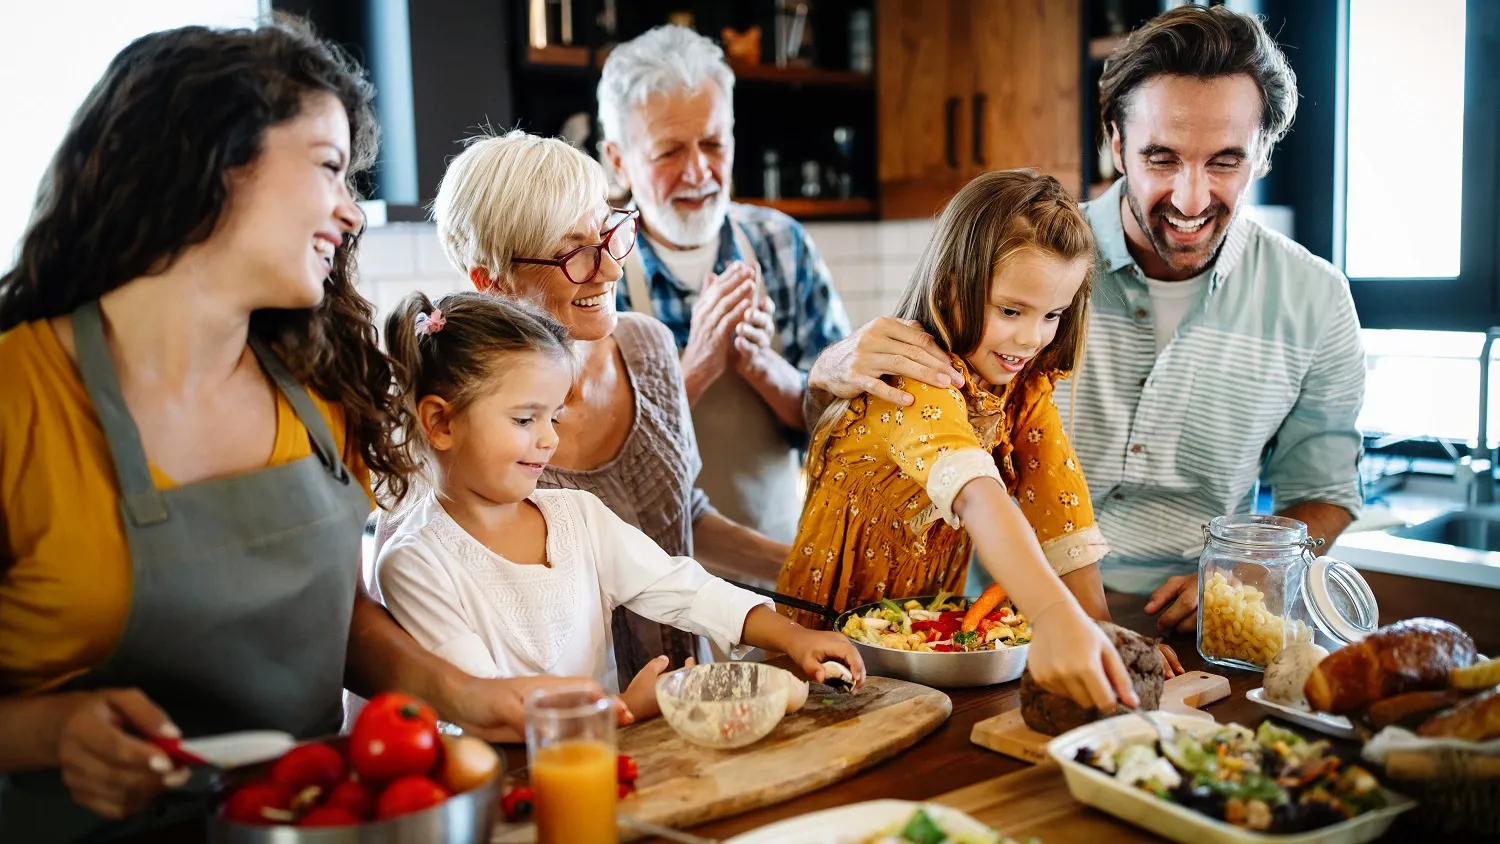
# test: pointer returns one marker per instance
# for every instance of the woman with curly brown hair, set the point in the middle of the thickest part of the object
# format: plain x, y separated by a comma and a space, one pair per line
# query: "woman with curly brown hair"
194, 401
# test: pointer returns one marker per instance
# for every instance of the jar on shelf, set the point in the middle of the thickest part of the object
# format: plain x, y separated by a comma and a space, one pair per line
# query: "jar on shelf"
1261, 587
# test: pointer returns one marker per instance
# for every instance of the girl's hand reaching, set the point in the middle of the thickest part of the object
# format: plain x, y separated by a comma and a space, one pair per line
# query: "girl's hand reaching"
640, 696
1071, 656
811, 648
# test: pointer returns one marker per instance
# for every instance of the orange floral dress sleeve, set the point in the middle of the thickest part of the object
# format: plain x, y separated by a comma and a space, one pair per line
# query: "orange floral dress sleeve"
1050, 486
933, 442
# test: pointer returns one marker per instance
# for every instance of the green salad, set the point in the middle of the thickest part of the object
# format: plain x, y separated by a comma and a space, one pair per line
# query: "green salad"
922, 828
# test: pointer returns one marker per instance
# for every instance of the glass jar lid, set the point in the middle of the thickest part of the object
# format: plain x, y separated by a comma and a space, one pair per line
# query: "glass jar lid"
1258, 531
1339, 600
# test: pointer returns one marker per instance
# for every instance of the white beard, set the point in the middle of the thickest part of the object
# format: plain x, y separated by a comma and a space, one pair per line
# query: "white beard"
686, 229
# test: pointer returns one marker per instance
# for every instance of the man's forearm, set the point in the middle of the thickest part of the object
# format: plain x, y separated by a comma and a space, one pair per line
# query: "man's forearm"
731, 548
781, 386
1324, 520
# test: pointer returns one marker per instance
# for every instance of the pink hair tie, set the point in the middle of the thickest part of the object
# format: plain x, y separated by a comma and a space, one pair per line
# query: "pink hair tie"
428, 324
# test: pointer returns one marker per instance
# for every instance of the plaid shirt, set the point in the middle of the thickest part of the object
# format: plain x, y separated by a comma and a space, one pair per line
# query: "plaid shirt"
809, 314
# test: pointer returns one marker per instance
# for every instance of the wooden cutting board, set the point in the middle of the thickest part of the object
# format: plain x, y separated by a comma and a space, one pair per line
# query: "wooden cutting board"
1007, 733
1036, 803
834, 736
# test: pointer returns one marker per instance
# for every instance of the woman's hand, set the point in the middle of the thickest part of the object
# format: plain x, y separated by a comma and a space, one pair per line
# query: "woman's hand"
109, 771
495, 709
1071, 656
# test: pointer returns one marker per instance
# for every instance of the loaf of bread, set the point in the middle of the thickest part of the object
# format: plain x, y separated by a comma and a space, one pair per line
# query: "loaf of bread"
1410, 709
1475, 719
1053, 714
1407, 656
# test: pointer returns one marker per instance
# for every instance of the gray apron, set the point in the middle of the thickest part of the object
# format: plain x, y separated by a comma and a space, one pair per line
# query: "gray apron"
242, 593
750, 470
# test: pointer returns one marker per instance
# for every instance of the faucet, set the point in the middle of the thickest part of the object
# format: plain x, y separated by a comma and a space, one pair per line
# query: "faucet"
1482, 489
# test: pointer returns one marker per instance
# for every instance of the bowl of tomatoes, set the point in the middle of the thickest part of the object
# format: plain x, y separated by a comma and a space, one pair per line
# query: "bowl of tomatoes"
394, 778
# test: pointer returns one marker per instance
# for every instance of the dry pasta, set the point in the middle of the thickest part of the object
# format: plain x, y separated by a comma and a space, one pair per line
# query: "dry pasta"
1237, 624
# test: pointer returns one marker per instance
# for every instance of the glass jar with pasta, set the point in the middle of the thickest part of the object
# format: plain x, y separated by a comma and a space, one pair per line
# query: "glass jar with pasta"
1261, 588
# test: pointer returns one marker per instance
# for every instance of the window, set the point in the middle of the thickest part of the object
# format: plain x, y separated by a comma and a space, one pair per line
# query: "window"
51, 54
1405, 139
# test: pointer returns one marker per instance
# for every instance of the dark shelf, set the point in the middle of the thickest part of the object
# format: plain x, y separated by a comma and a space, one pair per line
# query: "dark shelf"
1100, 48
803, 75
554, 55
808, 209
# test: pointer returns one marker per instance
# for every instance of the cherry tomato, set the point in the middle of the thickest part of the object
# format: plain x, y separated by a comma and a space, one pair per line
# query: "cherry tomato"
517, 803
409, 794
309, 765
260, 803
352, 797
624, 790
395, 736
627, 771
466, 763
329, 816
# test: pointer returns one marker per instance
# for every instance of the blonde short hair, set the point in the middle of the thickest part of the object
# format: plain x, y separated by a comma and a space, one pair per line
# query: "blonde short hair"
513, 196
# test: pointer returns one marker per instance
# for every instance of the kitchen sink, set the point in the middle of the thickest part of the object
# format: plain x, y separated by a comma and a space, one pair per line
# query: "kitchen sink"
1477, 527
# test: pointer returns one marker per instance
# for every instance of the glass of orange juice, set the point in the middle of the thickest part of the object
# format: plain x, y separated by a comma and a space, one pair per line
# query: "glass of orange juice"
570, 745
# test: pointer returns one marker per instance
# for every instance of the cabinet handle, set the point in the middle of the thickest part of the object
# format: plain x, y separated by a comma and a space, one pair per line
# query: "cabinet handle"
979, 103
951, 121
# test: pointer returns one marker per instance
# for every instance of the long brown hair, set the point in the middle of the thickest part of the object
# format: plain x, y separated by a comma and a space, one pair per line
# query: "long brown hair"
990, 220
464, 358
141, 175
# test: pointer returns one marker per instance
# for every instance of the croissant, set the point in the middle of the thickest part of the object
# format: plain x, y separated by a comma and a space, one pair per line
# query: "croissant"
1406, 656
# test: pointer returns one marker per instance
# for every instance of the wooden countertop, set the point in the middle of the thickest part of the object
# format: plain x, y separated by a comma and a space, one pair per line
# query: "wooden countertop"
947, 761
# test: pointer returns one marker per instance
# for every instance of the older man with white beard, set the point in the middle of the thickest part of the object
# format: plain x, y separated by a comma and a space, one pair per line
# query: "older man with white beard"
744, 291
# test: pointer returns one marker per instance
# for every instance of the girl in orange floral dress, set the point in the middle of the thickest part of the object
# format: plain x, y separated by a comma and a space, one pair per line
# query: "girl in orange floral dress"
899, 496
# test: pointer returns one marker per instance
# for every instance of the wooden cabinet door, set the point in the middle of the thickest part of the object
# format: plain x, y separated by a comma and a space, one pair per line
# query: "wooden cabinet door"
924, 84
1024, 111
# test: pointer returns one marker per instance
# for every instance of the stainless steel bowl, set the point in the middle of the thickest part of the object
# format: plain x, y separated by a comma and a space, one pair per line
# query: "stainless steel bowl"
466, 818
959, 670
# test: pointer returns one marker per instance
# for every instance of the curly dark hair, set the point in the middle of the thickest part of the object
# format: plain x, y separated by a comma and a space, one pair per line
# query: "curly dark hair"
142, 175
1203, 42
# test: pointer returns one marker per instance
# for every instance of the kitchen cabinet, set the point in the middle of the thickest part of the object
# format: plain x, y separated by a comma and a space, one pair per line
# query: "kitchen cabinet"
967, 86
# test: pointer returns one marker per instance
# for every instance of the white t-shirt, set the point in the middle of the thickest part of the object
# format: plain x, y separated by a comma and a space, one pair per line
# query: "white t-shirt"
1172, 300
493, 618
688, 266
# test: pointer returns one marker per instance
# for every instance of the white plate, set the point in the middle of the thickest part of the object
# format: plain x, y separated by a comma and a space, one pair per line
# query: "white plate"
1179, 823
1332, 725
853, 822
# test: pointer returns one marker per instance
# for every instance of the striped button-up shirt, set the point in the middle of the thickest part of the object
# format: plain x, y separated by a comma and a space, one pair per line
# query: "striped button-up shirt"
1263, 380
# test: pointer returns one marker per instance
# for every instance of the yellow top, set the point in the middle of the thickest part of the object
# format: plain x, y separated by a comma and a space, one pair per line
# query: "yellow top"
879, 522
65, 574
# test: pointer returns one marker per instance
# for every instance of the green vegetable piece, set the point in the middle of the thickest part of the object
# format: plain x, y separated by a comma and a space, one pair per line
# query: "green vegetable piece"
942, 598
892, 605
1267, 734
921, 829
966, 640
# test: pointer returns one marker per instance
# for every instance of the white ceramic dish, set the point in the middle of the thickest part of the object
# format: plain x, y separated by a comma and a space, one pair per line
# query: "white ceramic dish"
1179, 823
853, 822
1331, 725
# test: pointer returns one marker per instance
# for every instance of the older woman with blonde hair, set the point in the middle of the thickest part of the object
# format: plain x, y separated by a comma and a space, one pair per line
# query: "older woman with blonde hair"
528, 217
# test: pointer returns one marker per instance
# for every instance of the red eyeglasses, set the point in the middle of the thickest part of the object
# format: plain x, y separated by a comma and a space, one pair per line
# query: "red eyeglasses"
582, 264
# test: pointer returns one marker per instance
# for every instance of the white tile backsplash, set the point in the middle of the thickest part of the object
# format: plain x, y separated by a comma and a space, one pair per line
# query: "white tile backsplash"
870, 263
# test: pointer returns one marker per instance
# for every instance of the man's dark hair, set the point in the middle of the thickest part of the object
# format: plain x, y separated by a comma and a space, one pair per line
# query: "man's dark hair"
1203, 42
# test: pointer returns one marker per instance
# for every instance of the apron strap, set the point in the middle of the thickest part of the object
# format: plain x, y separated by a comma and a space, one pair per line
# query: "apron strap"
140, 498
302, 405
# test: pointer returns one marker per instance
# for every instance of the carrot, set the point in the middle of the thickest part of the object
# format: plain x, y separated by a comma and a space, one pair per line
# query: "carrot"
987, 600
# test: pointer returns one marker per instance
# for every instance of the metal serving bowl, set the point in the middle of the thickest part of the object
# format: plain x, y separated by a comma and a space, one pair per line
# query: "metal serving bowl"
466, 818
957, 670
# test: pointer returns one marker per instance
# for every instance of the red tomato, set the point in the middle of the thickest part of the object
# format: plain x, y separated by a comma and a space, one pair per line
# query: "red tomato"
627, 771
260, 803
409, 794
517, 803
352, 797
395, 736
624, 790
329, 816
944, 649
309, 765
